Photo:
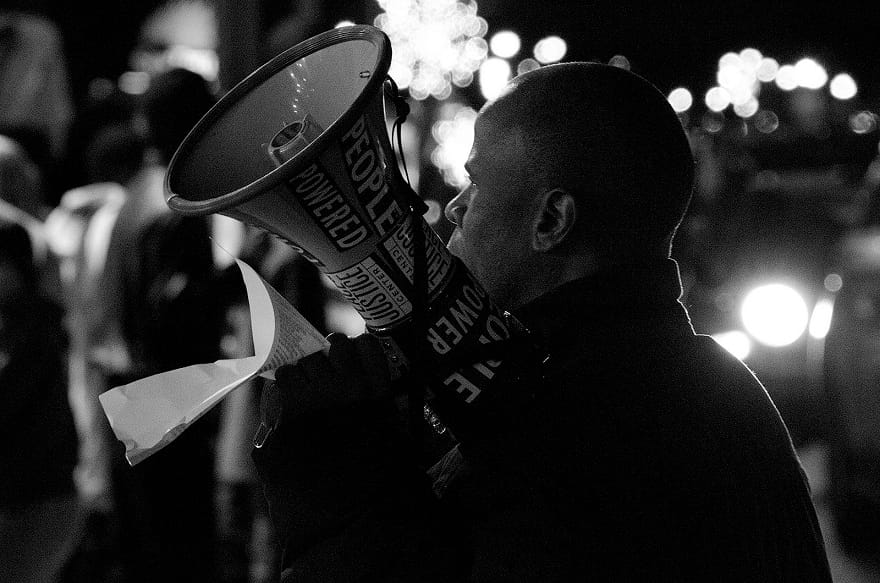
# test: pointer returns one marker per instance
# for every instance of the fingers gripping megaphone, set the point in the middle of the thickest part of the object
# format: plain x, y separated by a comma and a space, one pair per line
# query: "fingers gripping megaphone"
300, 148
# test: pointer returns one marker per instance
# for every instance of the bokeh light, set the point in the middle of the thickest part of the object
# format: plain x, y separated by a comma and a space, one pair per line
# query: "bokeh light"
747, 109
735, 342
766, 121
717, 98
863, 122
767, 69
680, 99
620, 61
751, 58
833, 282
820, 321
774, 314
738, 75
809, 74
527, 65
494, 75
505, 44
551, 49
436, 43
843, 86
454, 134
786, 78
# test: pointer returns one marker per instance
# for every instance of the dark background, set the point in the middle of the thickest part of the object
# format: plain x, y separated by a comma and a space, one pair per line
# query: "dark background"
671, 43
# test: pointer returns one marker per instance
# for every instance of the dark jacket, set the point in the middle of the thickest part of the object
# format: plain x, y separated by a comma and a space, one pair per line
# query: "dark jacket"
38, 441
647, 453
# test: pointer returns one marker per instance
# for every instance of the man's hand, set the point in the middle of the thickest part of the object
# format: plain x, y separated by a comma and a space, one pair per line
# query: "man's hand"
331, 440
353, 371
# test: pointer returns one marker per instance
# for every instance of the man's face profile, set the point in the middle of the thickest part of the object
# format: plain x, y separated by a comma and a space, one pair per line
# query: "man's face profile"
494, 213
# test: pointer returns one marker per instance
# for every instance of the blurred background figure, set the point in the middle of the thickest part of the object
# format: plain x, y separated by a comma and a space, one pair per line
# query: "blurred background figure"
36, 106
108, 149
158, 287
40, 515
22, 202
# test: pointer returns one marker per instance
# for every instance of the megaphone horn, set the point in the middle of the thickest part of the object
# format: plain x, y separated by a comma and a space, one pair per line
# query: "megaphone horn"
300, 148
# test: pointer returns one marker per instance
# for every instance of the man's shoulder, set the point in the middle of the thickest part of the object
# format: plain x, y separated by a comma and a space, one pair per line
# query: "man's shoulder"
682, 397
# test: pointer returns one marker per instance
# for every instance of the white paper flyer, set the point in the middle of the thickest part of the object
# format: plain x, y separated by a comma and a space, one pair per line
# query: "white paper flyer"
148, 414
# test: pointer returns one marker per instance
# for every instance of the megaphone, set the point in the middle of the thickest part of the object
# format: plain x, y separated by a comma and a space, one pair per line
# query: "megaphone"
300, 148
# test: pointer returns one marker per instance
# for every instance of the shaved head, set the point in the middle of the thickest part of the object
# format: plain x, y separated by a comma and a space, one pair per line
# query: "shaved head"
611, 140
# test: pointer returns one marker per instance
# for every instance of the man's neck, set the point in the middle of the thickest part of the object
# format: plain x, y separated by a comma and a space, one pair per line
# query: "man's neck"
553, 273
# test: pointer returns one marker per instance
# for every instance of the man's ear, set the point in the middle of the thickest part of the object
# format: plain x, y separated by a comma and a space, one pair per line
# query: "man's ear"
554, 220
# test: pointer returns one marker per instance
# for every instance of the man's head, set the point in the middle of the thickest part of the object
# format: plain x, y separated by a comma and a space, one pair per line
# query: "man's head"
575, 166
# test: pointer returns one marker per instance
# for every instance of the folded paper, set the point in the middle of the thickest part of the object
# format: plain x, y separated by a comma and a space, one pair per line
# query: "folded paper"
148, 414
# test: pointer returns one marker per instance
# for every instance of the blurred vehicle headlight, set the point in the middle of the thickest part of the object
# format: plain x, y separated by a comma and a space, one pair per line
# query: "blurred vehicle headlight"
735, 342
774, 314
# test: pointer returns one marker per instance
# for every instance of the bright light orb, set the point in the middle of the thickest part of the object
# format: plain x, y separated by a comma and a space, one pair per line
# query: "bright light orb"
454, 134
843, 86
505, 44
786, 78
809, 74
717, 98
774, 314
737, 75
767, 70
735, 342
751, 58
476, 49
494, 75
680, 99
550, 49
729, 60
732, 77
436, 44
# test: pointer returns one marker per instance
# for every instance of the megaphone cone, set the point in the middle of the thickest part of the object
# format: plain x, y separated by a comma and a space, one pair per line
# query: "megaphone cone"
300, 148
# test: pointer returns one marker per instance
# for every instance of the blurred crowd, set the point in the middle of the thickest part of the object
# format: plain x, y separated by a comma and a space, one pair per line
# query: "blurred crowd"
100, 285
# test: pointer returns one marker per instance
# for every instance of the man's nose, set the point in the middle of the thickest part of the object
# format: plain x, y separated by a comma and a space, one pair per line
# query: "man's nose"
457, 206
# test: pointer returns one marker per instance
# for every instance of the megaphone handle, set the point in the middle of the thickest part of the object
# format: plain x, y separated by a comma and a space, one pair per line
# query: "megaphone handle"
416, 389
398, 367
416, 393
401, 108
398, 363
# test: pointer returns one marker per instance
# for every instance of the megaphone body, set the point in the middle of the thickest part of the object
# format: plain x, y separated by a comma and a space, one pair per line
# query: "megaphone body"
300, 148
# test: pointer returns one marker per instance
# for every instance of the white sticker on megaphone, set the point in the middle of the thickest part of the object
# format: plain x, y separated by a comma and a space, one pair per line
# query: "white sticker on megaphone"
148, 414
